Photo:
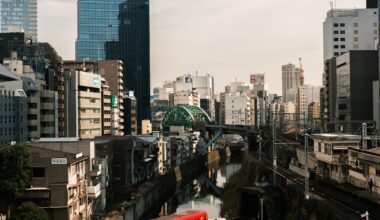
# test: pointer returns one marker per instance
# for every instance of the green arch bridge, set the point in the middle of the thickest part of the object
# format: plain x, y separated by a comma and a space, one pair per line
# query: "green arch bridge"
188, 116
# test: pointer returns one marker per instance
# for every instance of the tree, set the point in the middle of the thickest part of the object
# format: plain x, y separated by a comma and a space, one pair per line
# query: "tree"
29, 211
14, 172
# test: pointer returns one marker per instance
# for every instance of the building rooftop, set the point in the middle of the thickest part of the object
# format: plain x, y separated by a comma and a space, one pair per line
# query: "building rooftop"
336, 137
47, 153
7, 75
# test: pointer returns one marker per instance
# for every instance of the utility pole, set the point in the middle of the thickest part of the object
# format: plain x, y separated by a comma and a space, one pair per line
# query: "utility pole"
261, 208
307, 174
259, 139
274, 152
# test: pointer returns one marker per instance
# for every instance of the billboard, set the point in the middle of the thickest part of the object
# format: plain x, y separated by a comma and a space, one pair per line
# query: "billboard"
257, 79
113, 101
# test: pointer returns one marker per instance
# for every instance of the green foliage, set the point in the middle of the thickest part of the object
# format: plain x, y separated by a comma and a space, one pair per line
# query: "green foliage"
14, 170
29, 211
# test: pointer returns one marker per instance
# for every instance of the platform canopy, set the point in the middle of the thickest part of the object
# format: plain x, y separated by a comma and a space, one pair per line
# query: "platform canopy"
185, 115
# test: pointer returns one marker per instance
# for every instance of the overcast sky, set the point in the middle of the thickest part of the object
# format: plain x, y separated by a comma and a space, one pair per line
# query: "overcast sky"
229, 39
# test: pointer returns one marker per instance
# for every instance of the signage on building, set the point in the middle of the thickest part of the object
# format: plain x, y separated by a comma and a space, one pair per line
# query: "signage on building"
96, 80
58, 161
131, 93
113, 101
257, 79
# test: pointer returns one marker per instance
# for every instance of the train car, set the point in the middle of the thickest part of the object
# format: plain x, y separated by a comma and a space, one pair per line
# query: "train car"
187, 215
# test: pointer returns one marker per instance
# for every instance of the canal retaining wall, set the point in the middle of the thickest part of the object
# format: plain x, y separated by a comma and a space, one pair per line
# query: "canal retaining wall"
152, 195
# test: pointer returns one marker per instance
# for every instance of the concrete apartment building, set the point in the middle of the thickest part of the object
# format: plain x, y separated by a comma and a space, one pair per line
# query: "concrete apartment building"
83, 112
42, 102
237, 109
203, 86
314, 112
306, 94
331, 152
90, 181
130, 117
106, 109
363, 166
58, 183
349, 29
112, 71
13, 108
186, 98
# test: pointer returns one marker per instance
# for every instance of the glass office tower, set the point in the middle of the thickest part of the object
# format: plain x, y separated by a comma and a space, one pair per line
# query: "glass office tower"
19, 14
97, 23
134, 51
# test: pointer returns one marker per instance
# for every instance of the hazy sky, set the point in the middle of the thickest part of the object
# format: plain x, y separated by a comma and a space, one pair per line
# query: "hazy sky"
229, 39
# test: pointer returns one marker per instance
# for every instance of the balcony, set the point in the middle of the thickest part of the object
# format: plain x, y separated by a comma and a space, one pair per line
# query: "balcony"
89, 126
94, 191
106, 115
33, 111
87, 104
96, 169
107, 108
107, 124
106, 92
106, 101
330, 159
49, 106
47, 118
33, 99
89, 94
47, 130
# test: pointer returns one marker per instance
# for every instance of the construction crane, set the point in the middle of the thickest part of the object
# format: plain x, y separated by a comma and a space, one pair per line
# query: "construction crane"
302, 75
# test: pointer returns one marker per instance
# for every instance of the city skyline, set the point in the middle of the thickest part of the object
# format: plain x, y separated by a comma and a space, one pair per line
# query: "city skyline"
222, 38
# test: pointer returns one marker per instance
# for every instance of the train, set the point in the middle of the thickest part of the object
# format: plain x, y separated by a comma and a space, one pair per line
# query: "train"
187, 215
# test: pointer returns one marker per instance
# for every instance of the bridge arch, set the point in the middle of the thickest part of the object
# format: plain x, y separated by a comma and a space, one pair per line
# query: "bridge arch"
185, 115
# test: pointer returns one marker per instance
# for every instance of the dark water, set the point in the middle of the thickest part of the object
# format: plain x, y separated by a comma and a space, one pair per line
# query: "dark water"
204, 192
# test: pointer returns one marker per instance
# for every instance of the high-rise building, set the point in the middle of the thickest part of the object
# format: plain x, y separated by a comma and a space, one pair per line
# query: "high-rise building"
21, 15
134, 51
237, 108
356, 71
106, 109
329, 91
291, 78
98, 24
112, 73
198, 88
306, 94
314, 111
349, 29
83, 104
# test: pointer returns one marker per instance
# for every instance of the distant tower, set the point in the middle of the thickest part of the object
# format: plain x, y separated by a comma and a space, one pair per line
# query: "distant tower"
302, 75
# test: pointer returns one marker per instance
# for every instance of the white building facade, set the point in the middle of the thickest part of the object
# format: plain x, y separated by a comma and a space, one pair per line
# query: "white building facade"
349, 29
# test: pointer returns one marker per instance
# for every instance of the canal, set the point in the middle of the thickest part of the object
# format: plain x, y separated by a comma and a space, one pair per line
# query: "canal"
204, 192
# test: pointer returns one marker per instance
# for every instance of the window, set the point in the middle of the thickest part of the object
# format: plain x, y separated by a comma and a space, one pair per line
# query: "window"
336, 25
336, 46
336, 39
342, 32
375, 31
342, 39
336, 32
375, 24
343, 46
356, 39
336, 54
342, 24
355, 31
38, 172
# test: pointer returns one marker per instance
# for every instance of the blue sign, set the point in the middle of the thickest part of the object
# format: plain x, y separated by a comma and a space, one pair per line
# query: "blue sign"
96, 80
